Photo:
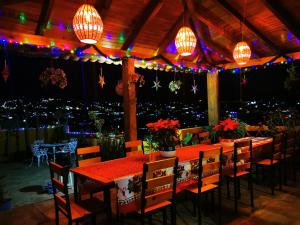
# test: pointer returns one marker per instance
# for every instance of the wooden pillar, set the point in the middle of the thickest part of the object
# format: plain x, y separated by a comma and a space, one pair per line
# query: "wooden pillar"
213, 97
129, 100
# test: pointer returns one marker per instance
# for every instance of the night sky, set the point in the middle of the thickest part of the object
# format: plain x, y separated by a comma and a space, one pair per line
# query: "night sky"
24, 72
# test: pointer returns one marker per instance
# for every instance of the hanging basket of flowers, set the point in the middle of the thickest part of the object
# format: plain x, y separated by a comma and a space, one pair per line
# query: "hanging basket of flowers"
55, 77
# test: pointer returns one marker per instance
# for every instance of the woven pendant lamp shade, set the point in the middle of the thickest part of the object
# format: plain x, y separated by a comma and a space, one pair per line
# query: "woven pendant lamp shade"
241, 53
87, 24
185, 41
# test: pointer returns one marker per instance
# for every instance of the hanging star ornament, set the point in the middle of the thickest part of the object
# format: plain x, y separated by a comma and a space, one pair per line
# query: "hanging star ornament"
101, 81
156, 84
194, 88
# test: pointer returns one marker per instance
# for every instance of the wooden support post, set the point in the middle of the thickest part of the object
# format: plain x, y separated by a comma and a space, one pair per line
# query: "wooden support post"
213, 96
129, 100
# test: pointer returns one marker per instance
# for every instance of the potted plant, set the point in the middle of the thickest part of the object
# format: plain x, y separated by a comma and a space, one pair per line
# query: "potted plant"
230, 129
5, 204
164, 136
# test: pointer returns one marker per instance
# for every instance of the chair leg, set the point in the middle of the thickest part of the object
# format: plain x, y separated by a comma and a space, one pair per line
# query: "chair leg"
250, 184
272, 179
239, 188
220, 204
31, 161
280, 175
56, 216
173, 214
199, 210
194, 206
212, 200
235, 195
38, 159
150, 218
228, 189
165, 216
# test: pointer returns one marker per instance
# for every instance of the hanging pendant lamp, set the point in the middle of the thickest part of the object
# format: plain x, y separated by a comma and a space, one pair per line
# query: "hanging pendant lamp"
241, 53
87, 24
185, 41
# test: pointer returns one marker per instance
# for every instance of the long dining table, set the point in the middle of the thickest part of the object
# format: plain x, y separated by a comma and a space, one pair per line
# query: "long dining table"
124, 174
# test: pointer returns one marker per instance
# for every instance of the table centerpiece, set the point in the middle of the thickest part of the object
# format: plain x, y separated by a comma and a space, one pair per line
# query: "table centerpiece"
229, 130
164, 136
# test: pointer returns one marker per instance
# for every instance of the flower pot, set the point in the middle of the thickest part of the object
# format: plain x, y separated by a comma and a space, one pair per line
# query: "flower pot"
226, 142
168, 152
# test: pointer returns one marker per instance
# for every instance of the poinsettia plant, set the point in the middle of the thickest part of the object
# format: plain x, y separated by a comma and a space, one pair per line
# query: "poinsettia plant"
55, 77
230, 128
164, 133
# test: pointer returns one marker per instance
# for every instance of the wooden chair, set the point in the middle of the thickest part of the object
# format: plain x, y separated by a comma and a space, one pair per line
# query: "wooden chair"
272, 159
204, 138
74, 212
289, 154
242, 166
132, 147
208, 181
159, 190
84, 157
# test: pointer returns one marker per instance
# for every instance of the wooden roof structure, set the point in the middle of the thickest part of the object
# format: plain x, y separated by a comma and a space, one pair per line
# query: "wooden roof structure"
147, 28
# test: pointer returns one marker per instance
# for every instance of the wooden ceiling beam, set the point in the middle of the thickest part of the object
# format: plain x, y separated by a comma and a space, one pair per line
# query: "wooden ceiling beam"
189, 5
200, 40
102, 7
170, 35
225, 5
148, 13
11, 2
45, 13
283, 16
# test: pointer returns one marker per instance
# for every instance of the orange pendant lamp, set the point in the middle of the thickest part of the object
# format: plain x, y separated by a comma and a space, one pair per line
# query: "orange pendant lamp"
87, 24
185, 41
241, 53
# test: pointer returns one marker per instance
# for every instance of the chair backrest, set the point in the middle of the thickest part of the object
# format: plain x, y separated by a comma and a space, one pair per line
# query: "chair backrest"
37, 150
87, 155
133, 146
204, 138
210, 169
277, 147
290, 142
61, 197
158, 182
242, 156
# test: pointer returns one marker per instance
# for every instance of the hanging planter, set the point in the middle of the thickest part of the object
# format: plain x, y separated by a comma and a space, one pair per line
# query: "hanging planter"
55, 77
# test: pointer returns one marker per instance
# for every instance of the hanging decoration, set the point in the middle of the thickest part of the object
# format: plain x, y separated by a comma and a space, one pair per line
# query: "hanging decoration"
5, 72
194, 86
244, 81
119, 88
242, 51
185, 41
142, 81
55, 77
101, 79
87, 24
156, 83
175, 85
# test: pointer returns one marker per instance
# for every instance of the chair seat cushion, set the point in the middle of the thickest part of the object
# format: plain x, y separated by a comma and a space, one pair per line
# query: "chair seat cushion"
266, 162
86, 208
240, 173
203, 188
156, 206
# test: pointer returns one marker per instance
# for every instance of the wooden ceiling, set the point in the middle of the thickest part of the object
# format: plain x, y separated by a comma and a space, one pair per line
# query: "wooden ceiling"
148, 27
